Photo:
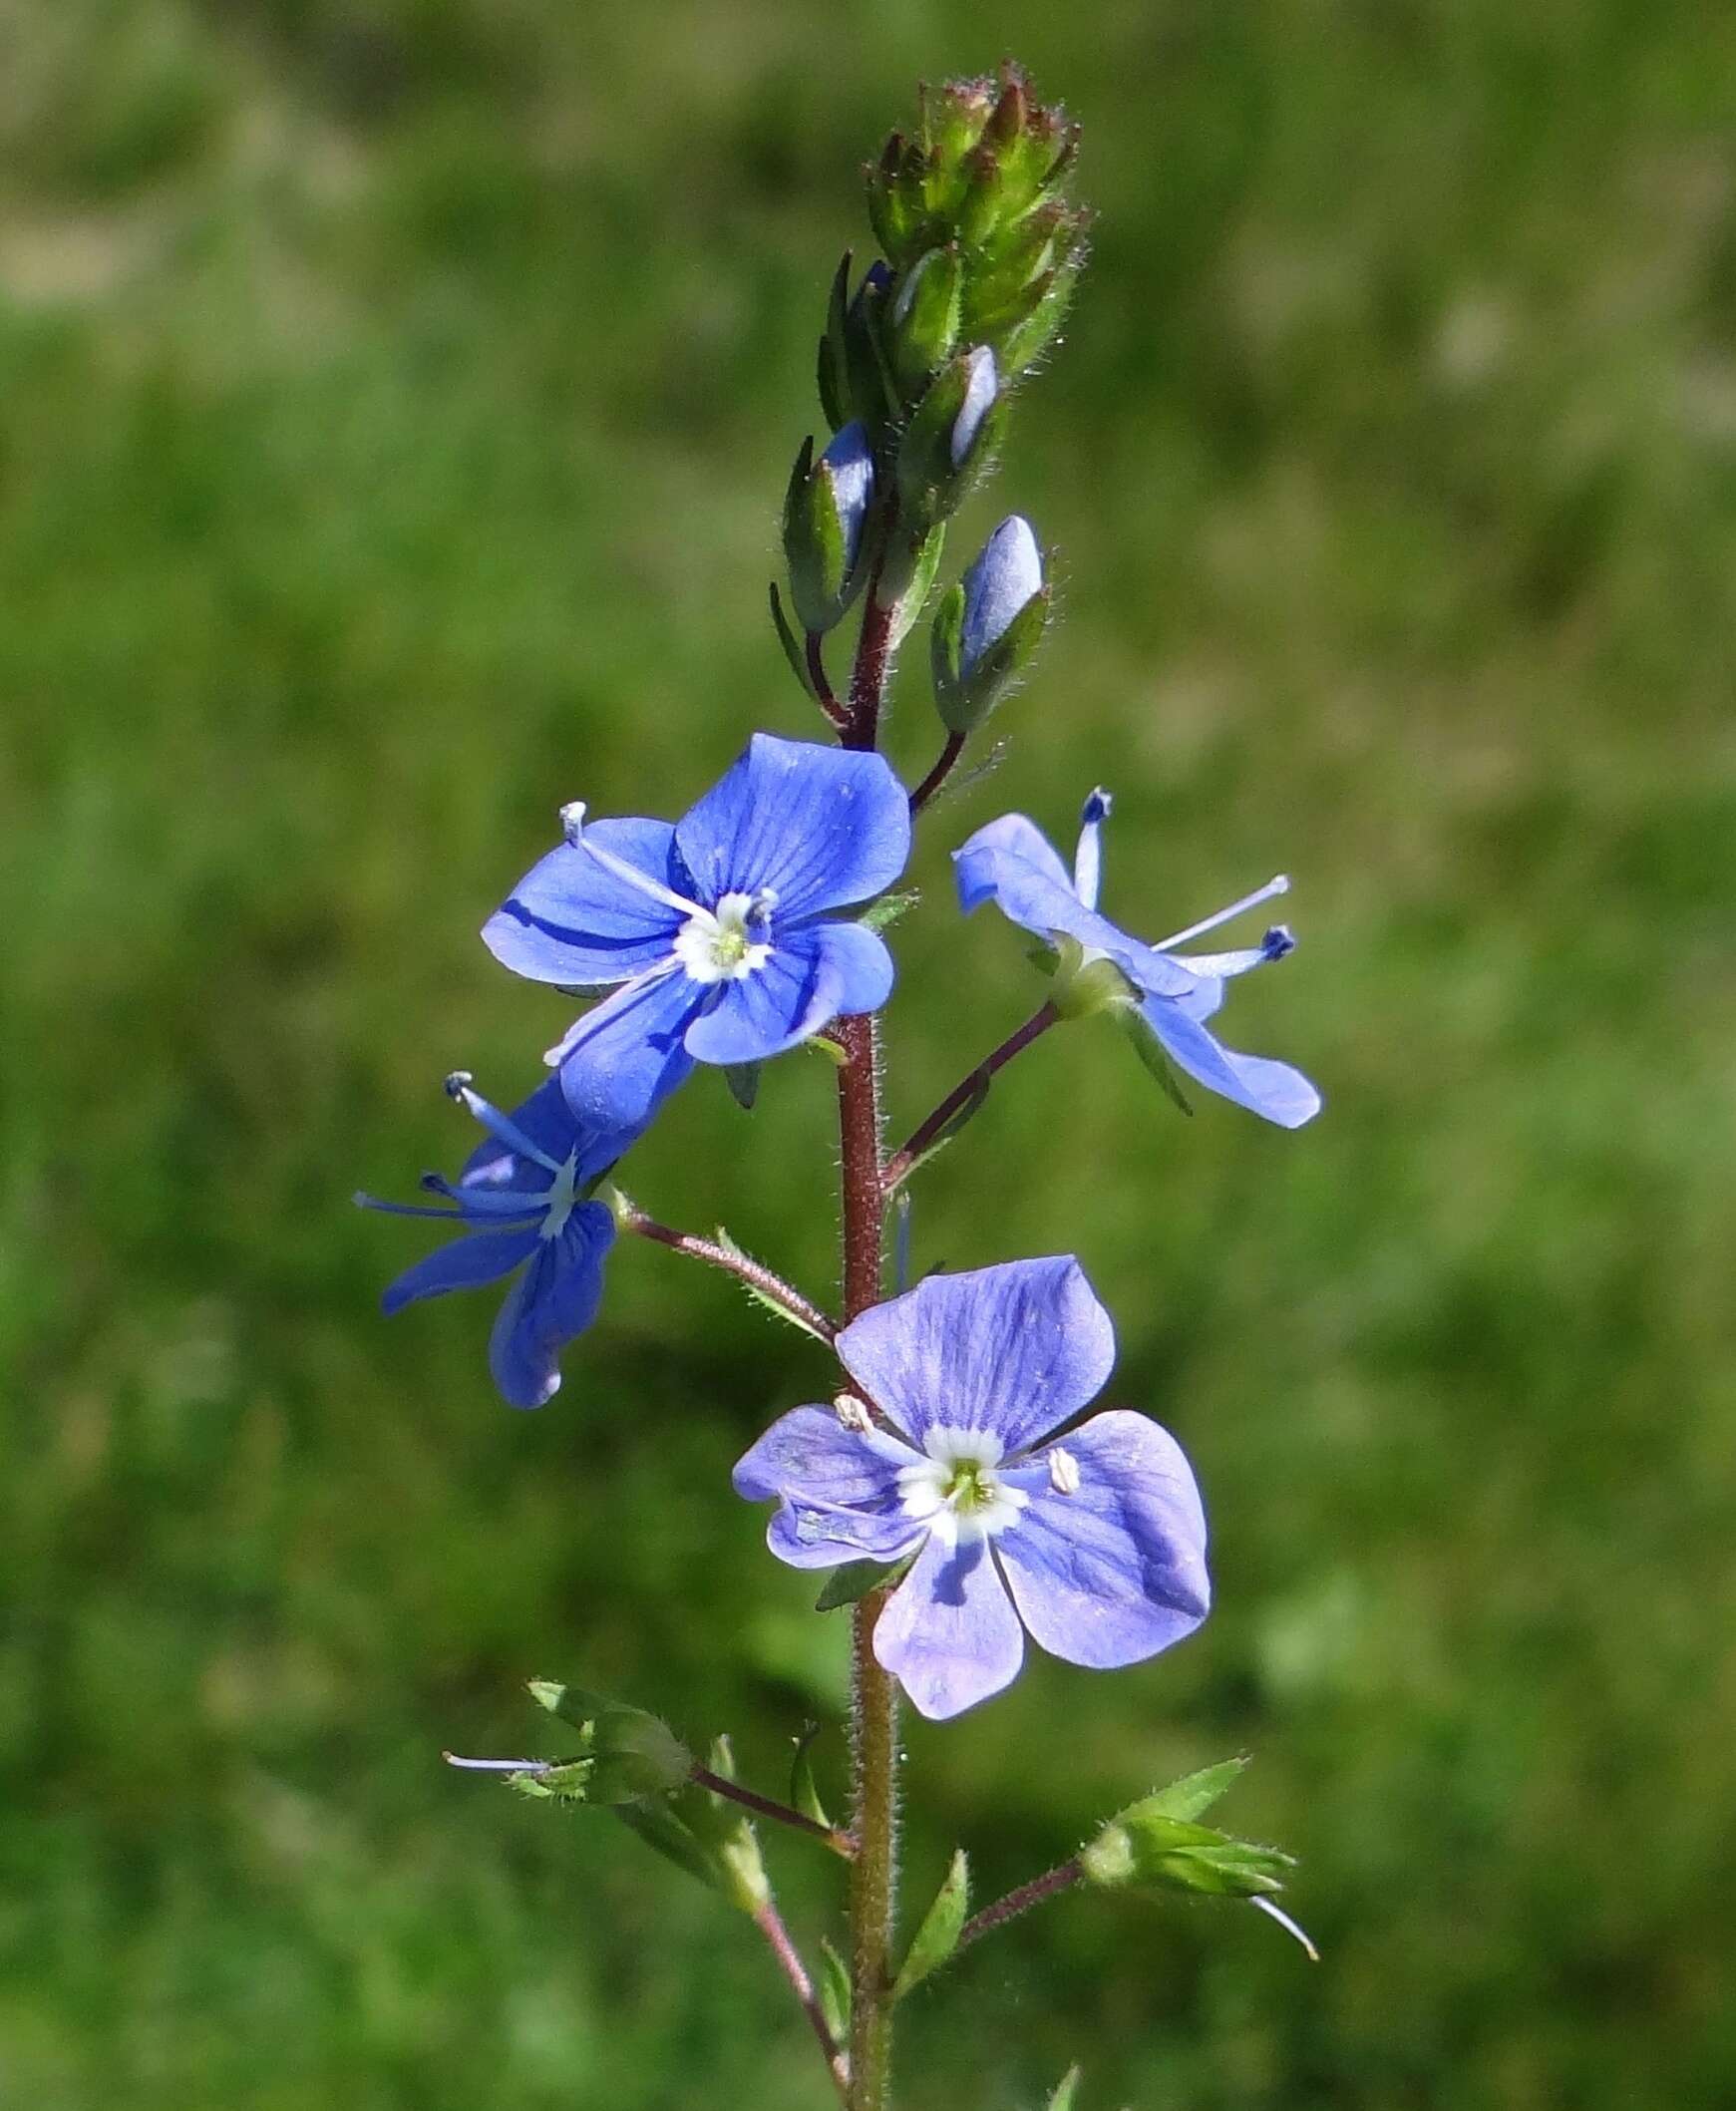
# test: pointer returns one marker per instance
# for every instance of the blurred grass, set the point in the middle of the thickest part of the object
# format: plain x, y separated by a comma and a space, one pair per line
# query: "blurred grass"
393, 402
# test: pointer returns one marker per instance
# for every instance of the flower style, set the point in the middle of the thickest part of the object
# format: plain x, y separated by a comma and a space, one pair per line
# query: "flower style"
1013, 863
710, 934
1096, 1545
520, 1203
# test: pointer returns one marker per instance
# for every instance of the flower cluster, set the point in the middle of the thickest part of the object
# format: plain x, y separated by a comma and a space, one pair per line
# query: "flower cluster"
958, 1484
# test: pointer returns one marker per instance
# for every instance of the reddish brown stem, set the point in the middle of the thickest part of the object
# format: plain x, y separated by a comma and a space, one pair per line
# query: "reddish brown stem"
781, 1813
1018, 1902
770, 1924
937, 776
739, 1266
900, 1165
822, 690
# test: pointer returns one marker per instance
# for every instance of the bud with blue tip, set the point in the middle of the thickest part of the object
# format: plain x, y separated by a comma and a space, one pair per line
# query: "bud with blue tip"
988, 628
825, 510
953, 436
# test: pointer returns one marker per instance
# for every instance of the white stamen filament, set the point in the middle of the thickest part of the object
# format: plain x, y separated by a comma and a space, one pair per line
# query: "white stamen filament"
1279, 883
579, 838
499, 1125
1088, 855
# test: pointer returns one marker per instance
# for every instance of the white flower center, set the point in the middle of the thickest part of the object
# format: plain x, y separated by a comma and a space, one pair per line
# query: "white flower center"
558, 1204
956, 1491
727, 943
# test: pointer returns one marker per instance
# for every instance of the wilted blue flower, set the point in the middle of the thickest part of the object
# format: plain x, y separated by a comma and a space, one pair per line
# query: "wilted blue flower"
711, 933
519, 1201
1096, 1545
1007, 572
1013, 864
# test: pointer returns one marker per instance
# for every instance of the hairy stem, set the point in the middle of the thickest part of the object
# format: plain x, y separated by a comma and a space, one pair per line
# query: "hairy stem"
770, 1924
740, 1266
829, 1836
937, 776
1018, 1902
973, 1083
822, 690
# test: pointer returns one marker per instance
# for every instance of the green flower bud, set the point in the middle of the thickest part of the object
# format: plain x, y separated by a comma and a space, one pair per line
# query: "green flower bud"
824, 510
952, 436
988, 628
624, 1752
1146, 1848
922, 322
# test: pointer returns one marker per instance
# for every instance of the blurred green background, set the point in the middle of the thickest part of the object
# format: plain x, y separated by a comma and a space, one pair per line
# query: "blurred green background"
394, 400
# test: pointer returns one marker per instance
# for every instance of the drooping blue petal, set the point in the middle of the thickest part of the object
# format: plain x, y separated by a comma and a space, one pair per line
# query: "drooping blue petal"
462, 1265
554, 1302
1017, 1349
1116, 1571
1265, 1087
624, 1057
819, 828
837, 1490
572, 921
1013, 863
949, 1633
814, 973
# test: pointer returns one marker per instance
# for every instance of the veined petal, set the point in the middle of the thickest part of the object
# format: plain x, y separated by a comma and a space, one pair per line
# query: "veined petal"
1116, 1571
554, 1302
624, 1057
1265, 1087
814, 1536
948, 1635
818, 826
462, 1264
1017, 1349
814, 973
837, 1490
1011, 863
571, 920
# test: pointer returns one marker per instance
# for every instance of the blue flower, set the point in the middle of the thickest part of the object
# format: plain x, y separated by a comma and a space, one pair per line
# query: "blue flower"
1171, 994
518, 1200
710, 933
1007, 573
1095, 1546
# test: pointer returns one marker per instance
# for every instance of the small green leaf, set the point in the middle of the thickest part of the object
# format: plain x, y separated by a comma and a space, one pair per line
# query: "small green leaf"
1066, 2091
764, 1297
1193, 1795
880, 916
938, 1938
804, 1796
742, 1080
833, 1992
834, 1051
657, 1825
793, 651
855, 1580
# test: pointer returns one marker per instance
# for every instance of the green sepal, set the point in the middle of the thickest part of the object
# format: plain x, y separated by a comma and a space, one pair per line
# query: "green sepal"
966, 701
946, 629
1066, 2091
937, 1937
1026, 341
907, 576
1083, 987
742, 1080
625, 1753
923, 324
762, 1297
1150, 1051
657, 1825
742, 1871
872, 395
835, 1992
1193, 1795
1144, 1847
855, 1580
804, 1795
929, 487
880, 916
823, 1044
792, 645
823, 582
833, 363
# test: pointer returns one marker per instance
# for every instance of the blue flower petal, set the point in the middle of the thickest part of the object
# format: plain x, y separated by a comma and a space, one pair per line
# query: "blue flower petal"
837, 1490
1115, 1571
1017, 1349
462, 1264
572, 921
949, 1633
624, 1057
547, 1120
814, 974
819, 828
1011, 863
554, 1302
1268, 1088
